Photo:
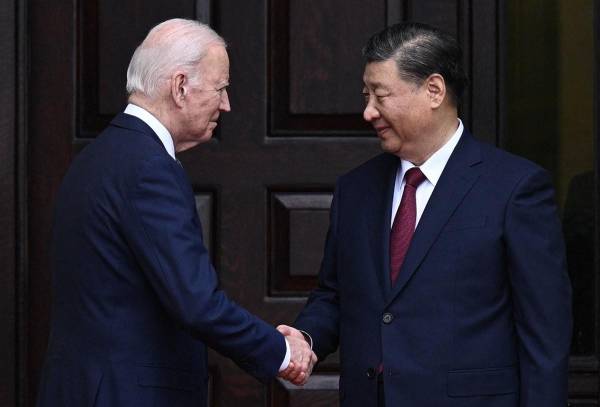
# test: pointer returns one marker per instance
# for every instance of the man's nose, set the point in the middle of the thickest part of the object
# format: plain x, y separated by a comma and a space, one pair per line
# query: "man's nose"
370, 113
224, 106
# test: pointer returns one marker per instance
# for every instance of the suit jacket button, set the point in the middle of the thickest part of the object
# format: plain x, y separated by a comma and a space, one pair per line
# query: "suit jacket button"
388, 318
370, 373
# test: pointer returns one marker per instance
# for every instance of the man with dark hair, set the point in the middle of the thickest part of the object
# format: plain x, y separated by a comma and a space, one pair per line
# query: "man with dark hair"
443, 280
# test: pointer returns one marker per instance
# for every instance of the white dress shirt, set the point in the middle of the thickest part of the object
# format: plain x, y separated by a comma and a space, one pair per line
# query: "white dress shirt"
432, 169
167, 140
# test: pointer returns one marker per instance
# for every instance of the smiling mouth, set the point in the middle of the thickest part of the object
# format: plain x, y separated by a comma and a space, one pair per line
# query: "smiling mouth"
381, 130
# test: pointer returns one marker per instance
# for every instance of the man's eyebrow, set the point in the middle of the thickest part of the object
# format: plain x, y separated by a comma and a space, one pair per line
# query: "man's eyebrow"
377, 86
374, 84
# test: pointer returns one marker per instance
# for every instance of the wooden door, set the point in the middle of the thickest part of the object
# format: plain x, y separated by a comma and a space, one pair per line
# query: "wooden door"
264, 183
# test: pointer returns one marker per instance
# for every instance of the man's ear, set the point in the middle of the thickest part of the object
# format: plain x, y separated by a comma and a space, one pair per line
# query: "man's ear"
436, 89
179, 88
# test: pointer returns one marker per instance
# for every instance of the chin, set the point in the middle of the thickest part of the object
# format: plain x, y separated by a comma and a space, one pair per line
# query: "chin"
389, 146
204, 137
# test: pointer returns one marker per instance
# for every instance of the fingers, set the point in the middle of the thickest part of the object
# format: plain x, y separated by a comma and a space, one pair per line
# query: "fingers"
302, 361
297, 379
302, 358
300, 355
294, 376
313, 361
286, 373
311, 364
302, 377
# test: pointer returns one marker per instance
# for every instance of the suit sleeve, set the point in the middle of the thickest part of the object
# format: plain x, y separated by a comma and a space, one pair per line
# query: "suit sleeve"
541, 291
320, 316
166, 237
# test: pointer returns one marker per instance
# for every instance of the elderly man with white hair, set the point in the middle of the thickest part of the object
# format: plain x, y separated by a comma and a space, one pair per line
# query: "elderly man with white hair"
136, 299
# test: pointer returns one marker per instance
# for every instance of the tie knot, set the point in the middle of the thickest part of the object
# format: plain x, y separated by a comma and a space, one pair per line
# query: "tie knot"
414, 177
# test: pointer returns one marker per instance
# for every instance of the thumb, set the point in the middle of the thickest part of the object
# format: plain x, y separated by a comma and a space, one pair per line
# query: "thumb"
285, 330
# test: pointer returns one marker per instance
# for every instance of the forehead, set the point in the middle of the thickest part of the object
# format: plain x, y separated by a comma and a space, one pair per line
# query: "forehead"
381, 73
215, 63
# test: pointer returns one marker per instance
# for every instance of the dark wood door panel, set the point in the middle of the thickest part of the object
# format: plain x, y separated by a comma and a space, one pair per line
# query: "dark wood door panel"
9, 213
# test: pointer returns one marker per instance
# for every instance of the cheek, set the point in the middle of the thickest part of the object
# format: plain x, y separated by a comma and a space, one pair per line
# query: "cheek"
201, 106
395, 111
407, 116
211, 108
398, 119
201, 112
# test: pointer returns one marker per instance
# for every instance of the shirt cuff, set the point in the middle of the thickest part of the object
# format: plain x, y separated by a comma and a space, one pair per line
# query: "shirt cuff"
286, 359
307, 338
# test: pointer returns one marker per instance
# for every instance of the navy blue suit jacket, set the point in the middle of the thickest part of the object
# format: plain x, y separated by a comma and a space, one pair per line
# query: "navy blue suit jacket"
481, 312
135, 295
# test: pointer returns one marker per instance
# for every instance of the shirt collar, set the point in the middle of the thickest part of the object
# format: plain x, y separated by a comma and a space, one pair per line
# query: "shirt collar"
160, 130
434, 166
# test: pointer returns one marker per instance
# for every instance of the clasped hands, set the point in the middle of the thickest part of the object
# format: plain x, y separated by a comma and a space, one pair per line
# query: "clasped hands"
302, 358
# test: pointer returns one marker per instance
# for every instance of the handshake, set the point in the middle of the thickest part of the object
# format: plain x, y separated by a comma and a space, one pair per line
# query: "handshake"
302, 358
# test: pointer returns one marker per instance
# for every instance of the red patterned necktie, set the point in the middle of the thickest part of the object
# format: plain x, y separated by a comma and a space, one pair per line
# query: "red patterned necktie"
404, 222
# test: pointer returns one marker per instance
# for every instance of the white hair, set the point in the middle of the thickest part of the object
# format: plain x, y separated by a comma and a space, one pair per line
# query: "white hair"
171, 45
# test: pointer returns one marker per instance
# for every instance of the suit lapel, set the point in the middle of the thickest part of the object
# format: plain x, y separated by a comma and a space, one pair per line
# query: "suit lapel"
379, 212
457, 179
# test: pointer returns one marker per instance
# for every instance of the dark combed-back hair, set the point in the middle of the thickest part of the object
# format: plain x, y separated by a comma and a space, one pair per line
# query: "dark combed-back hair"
420, 51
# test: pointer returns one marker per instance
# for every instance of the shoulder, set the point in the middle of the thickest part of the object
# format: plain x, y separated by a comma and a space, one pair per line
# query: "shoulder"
129, 142
375, 167
116, 159
119, 148
501, 163
507, 176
